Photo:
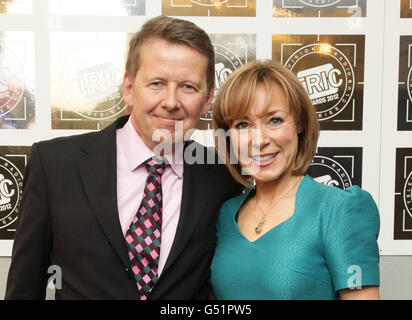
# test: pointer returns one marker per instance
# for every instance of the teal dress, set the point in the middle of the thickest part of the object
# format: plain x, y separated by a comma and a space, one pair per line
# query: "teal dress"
328, 244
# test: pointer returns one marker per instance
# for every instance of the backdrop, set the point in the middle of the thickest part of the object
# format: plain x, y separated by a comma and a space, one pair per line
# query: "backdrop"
61, 66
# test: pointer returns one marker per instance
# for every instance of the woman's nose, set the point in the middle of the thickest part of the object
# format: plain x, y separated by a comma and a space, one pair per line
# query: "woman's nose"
259, 138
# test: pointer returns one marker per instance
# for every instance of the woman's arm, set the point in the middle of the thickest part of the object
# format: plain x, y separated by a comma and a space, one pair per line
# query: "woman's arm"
366, 293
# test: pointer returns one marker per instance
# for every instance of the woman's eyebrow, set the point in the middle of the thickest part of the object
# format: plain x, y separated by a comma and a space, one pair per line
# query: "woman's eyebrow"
270, 113
245, 117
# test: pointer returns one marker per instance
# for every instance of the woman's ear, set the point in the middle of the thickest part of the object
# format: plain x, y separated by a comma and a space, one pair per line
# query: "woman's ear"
300, 128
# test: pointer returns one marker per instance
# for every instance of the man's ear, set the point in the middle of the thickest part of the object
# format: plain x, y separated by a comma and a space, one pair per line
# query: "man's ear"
127, 86
208, 102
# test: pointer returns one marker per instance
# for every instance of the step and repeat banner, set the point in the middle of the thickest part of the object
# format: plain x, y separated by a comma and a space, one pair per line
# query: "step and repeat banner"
62, 62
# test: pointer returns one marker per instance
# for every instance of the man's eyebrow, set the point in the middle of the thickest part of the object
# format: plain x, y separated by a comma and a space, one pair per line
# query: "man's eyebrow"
154, 77
160, 78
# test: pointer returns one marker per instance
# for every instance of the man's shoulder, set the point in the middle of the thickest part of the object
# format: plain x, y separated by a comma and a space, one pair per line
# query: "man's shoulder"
207, 158
67, 143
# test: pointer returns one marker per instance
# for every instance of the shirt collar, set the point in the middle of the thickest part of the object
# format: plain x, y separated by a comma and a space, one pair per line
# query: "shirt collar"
136, 152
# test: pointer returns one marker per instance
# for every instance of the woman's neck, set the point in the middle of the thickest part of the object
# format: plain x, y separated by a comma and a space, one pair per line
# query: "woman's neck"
269, 191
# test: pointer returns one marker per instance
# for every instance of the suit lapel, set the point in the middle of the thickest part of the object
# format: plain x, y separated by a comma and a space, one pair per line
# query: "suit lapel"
197, 184
96, 163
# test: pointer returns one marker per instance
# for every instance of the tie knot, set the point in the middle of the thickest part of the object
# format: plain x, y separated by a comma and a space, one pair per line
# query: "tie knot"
155, 166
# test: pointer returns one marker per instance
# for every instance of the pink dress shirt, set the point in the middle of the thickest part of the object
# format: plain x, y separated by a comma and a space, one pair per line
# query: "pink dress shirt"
131, 178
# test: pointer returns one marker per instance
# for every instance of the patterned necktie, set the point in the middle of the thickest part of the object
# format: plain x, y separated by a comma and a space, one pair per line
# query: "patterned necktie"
143, 235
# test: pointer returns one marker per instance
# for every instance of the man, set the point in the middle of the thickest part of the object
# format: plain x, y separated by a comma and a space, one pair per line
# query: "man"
82, 209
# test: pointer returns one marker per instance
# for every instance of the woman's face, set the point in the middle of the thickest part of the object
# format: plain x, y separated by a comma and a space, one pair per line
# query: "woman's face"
266, 142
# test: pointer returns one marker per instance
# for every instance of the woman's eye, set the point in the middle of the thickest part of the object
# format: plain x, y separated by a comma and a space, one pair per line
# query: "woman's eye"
276, 121
241, 125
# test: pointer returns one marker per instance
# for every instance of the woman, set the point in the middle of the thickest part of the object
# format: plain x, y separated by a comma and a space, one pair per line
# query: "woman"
287, 237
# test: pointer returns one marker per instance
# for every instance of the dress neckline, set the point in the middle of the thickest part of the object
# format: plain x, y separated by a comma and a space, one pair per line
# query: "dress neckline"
250, 192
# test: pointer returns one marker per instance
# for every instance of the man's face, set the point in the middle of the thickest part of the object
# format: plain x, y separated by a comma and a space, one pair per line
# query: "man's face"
169, 88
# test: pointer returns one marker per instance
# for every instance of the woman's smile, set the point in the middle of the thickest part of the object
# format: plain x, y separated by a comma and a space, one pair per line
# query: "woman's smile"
265, 159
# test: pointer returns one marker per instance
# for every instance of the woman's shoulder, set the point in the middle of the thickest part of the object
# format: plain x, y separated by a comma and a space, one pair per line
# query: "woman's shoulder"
343, 208
235, 202
342, 198
228, 210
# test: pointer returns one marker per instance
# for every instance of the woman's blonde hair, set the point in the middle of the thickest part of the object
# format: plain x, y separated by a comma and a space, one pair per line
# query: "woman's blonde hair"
234, 100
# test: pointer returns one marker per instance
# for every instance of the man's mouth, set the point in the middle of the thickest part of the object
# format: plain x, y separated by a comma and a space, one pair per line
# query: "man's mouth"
168, 122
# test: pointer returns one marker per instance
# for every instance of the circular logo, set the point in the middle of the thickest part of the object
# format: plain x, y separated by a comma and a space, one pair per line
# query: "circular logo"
327, 75
329, 172
319, 3
208, 3
92, 88
409, 84
11, 189
11, 82
407, 194
226, 62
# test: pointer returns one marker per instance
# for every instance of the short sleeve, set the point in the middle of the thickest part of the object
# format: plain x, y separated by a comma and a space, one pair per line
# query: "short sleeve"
351, 247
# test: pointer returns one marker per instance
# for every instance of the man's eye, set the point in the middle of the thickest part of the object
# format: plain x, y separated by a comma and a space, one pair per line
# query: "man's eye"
155, 84
189, 87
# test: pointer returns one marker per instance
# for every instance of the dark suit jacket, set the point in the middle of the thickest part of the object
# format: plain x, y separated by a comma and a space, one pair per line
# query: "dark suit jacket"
69, 218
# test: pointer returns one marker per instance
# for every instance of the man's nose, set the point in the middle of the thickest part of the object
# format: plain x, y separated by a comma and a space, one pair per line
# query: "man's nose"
170, 99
